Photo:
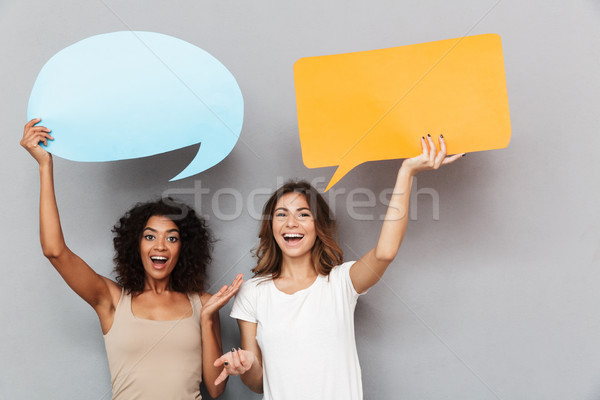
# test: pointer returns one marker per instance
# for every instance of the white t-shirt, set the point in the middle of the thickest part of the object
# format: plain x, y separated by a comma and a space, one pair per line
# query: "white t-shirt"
306, 338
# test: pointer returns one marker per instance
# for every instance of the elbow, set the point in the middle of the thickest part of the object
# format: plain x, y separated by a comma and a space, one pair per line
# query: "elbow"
256, 387
53, 252
385, 256
216, 391
258, 390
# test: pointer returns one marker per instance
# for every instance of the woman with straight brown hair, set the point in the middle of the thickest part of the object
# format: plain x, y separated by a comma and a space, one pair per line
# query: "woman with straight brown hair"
296, 315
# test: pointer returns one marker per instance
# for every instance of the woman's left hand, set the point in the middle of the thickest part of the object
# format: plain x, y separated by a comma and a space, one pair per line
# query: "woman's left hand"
430, 158
219, 299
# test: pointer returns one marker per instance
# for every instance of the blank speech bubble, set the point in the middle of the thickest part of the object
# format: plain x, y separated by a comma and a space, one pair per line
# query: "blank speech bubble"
375, 105
133, 94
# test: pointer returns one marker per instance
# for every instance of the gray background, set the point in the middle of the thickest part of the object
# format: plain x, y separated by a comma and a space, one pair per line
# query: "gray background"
496, 299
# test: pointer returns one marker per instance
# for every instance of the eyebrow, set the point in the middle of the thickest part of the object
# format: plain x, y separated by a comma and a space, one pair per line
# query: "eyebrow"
298, 209
154, 230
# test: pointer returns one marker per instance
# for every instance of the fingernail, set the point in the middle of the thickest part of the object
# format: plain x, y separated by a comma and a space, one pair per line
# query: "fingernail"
423, 137
442, 136
464, 154
226, 363
428, 135
232, 350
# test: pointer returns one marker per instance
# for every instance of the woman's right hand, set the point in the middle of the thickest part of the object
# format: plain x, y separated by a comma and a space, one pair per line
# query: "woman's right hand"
32, 136
234, 362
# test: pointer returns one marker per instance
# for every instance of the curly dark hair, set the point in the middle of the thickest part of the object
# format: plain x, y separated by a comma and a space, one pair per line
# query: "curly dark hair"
189, 275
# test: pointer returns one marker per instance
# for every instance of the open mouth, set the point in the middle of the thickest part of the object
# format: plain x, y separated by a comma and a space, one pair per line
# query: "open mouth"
292, 238
159, 261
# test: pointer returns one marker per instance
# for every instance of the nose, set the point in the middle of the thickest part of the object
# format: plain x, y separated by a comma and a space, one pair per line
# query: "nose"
159, 243
291, 221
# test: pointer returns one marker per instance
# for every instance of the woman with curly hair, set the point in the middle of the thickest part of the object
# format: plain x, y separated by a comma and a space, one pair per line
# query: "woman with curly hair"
296, 315
161, 328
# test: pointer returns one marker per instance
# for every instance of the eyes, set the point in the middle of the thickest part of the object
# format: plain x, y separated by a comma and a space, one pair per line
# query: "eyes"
171, 239
300, 216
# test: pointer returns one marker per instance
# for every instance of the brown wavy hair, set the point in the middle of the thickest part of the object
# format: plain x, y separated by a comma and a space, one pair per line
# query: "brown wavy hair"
325, 254
189, 275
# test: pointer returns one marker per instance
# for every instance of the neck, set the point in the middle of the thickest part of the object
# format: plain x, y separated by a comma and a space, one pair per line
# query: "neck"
298, 267
156, 286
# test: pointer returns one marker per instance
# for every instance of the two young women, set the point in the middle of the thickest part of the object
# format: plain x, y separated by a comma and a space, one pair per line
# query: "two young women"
296, 316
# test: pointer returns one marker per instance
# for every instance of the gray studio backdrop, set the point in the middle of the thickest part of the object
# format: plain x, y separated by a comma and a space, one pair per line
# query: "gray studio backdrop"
494, 292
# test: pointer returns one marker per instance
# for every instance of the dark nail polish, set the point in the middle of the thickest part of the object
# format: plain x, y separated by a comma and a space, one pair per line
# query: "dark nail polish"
428, 135
423, 137
226, 363
442, 136
232, 350
464, 154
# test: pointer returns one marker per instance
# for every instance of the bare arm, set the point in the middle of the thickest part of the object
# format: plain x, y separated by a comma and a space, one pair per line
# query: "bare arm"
246, 362
96, 290
212, 347
367, 271
253, 377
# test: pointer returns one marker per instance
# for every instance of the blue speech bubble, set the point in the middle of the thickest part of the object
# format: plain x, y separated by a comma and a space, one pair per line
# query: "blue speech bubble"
133, 94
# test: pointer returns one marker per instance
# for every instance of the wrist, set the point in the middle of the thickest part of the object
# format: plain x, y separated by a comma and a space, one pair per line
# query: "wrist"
45, 164
206, 320
406, 171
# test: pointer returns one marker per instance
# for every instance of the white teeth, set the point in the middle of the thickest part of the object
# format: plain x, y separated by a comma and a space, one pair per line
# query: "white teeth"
293, 235
159, 258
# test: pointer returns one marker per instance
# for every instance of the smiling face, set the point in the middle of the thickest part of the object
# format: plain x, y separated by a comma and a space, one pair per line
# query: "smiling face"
159, 247
294, 226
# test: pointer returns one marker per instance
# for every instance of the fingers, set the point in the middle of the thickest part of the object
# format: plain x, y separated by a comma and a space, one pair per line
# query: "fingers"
222, 297
453, 158
219, 361
236, 363
239, 279
33, 137
222, 376
233, 288
432, 148
38, 129
441, 155
424, 146
32, 123
44, 137
221, 291
243, 358
38, 137
442, 144
30, 127
430, 157
237, 282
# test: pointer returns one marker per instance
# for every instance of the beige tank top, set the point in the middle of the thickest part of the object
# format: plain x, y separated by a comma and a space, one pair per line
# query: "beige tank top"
150, 359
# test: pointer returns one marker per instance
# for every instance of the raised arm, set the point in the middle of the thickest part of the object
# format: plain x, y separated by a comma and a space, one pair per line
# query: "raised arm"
367, 271
96, 290
246, 362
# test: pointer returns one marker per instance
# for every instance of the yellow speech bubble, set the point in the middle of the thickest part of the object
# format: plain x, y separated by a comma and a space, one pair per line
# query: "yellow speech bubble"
375, 105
